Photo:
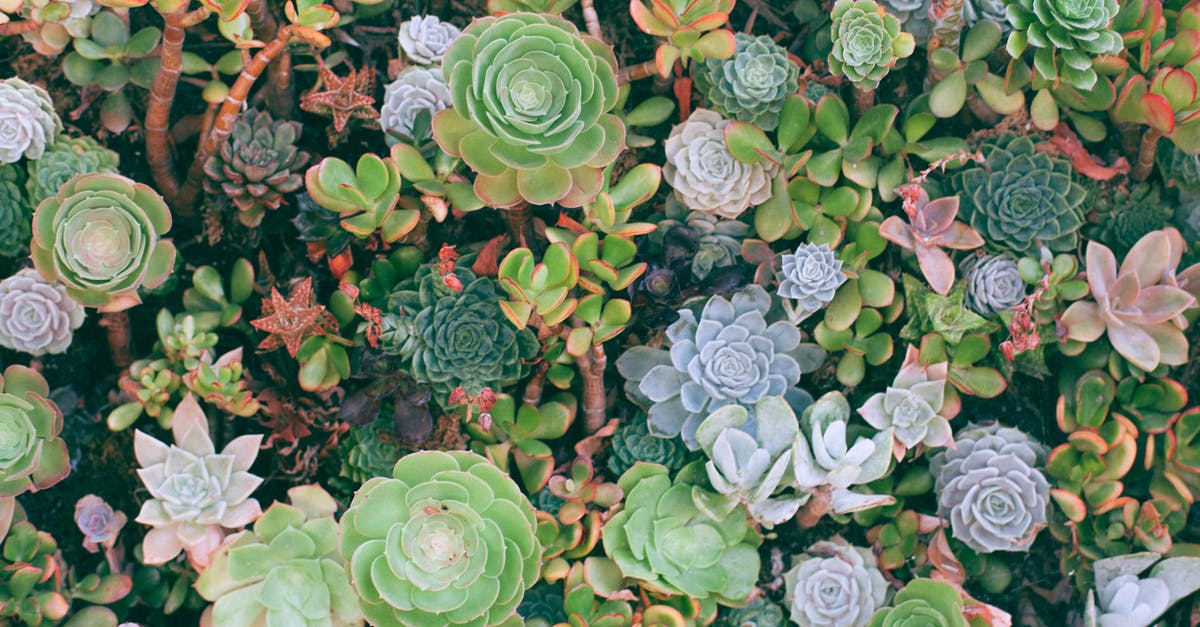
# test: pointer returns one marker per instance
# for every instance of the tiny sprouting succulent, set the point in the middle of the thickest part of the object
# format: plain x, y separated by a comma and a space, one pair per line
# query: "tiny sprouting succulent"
706, 176
196, 493
825, 456
531, 101
810, 277
1022, 197
677, 538
100, 235
729, 355
287, 570
415, 89
834, 584
923, 602
59, 23
32, 456
425, 38
257, 165
64, 159
633, 443
991, 489
1121, 218
101, 526
867, 42
37, 316
760, 612
993, 284
14, 213
1138, 305
911, 405
1066, 35
28, 123
753, 84
448, 541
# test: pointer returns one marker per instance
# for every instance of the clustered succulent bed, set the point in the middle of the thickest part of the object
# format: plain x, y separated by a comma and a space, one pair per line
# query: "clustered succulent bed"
599, 313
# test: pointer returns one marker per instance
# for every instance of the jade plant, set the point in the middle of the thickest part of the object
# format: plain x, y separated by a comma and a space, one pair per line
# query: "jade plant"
365, 198
111, 59
692, 30
519, 434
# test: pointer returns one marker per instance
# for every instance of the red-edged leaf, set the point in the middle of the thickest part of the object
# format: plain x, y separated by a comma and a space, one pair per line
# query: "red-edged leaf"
1158, 113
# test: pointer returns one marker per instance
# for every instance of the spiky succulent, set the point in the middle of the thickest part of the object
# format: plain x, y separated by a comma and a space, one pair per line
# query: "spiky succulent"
448, 541
100, 236
993, 284
257, 165
414, 91
1066, 35
14, 213
633, 443
1021, 198
706, 176
28, 123
32, 456
752, 85
287, 570
811, 277
826, 456
1122, 217
425, 38
531, 101
728, 355
64, 159
37, 316
990, 488
834, 585
677, 538
867, 42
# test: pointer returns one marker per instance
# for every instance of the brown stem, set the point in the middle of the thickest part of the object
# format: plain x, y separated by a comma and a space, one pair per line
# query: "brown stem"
520, 223
278, 89
1146, 151
591, 18
632, 73
946, 17
119, 337
16, 28
162, 97
815, 509
980, 110
536, 385
864, 99
595, 403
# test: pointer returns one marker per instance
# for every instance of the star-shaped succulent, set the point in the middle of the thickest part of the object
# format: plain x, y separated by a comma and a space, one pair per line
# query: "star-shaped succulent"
288, 322
343, 98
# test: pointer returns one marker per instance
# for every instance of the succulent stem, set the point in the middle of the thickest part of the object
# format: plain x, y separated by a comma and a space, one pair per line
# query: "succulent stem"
520, 223
1146, 152
591, 18
119, 337
595, 403
946, 18
533, 389
16, 28
815, 509
864, 99
278, 89
632, 73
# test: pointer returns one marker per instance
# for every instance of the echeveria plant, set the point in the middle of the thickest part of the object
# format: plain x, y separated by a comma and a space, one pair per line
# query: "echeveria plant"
752, 85
32, 456
28, 123
425, 38
706, 176
1066, 35
923, 602
414, 91
993, 284
37, 316
834, 584
825, 457
911, 406
809, 278
100, 524
62, 160
867, 42
257, 165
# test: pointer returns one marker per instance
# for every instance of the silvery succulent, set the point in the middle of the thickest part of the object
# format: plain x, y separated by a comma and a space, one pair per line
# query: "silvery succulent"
1129, 596
990, 488
415, 89
751, 468
28, 123
706, 176
809, 278
910, 406
825, 455
37, 316
834, 584
425, 38
729, 355
753, 84
993, 284
197, 493
100, 525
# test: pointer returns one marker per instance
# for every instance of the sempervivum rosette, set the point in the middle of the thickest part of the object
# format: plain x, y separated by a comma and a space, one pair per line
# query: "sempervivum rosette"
834, 585
37, 316
991, 489
100, 236
867, 42
531, 101
415, 89
425, 38
62, 160
706, 176
28, 122
448, 541
753, 84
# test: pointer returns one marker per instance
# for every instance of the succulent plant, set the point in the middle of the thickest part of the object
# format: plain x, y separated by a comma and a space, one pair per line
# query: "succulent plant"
554, 7
632, 443
993, 284
752, 85
923, 602
1135, 305
1128, 599
32, 456
37, 316
62, 160
976, 11
416, 90
196, 492
1022, 197
966, 72
59, 23
100, 236
760, 612
343, 99
1179, 169
825, 457
108, 59
677, 538
729, 355
834, 585
911, 406
692, 30
931, 227
15, 213
707, 241
1122, 217
706, 176
538, 128
101, 526
867, 42
521, 433
365, 198
1066, 35
286, 570
809, 278
28, 123
449, 540
990, 488
257, 165
425, 39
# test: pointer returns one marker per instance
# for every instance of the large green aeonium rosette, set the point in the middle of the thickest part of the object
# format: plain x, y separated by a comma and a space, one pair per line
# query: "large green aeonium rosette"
448, 541
531, 100
32, 456
100, 236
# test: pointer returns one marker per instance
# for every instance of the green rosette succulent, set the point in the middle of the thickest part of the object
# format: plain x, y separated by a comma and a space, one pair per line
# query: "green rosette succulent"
286, 571
922, 602
100, 235
753, 84
632, 443
1118, 219
14, 212
531, 100
32, 456
677, 538
64, 159
1066, 35
867, 42
1021, 197
448, 541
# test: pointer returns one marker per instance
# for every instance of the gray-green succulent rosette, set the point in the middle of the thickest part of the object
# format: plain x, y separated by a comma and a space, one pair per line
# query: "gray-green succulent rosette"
32, 455
15, 213
810, 277
100, 235
993, 284
1066, 34
531, 100
867, 42
64, 159
752, 85
28, 122
448, 541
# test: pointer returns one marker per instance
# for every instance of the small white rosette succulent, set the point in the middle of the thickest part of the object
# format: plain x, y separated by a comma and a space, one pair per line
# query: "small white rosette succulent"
37, 316
425, 38
911, 406
809, 279
825, 456
834, 585
415, 89
706, 176
28, 122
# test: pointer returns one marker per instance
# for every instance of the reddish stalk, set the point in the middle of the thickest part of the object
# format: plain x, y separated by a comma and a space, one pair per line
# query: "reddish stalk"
520, 223
16, 28
595, 401
591, 18
637, 72
120, 339
279, 73
864, 99
1146, 151
536, 385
